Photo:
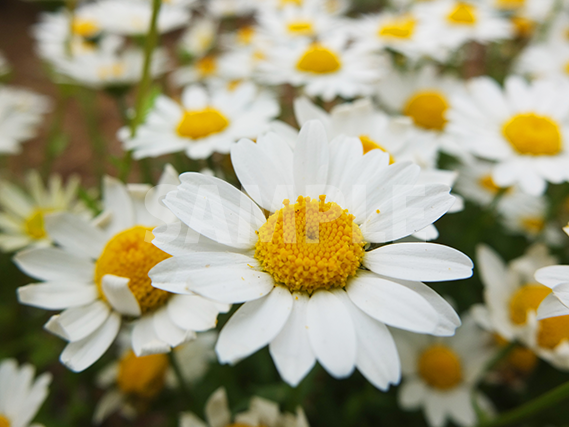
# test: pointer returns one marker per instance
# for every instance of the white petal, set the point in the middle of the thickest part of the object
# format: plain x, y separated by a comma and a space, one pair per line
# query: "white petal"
428, 262
110, 403
55, 296
79, 355
188, 419
310, 162
331, 333
119, 295
76, 323
34, 399
117, 201
305, 110
168, 331
551, 307
216, 410
75, 234
216, 209
54, 264
491, 267
460, 407
291, 350
391, 303
553, 275
435, 409
145, 341
561, 291
254, 325
411, 394
192, 312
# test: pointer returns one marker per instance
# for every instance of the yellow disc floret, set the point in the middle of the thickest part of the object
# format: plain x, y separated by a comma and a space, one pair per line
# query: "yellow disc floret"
440, 367
487, 182
399, 28
34, 224
142, 376
527, 298
300, 28
552, 331
369, 144
310, 245
84, 27
462, 14
427, 109
4, 422
206, 66
534, 135
319, 60
130, 254
510, 4
199, 124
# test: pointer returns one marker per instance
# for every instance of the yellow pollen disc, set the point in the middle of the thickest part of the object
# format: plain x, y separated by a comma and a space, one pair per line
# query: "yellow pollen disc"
34, 224
552, 331
510, 4
400, 28
84, 28
319, 60
131, 254
245, 34
427, 109
533, 224
300, 28
527, 298
310, 245
566, 68
463, 14
284, 3
488, 184
142, 376
524, 27
4, 422
533, 135
206, 66
199, 124
440, 367
369, 145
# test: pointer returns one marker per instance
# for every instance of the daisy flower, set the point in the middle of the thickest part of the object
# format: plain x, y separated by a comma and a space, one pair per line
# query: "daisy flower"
440, 374
299, 271
21, 113
20, 395
23, 211
326, 68
199, 37
545, 61
203, 122
228, 8
261, 412
524, 14
512, 297
558, 32
98, 275
522, 128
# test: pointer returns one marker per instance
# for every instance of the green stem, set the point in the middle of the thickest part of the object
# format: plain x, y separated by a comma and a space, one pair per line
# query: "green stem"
531, 408
178, 372
51, 149
151, 41
88, 101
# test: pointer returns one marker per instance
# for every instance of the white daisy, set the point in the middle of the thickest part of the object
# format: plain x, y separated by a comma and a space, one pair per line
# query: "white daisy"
23, 212
440, 374
526, 15
545, 61
261, 412
21, 113
98, 274
310, 300
327, 68
522, 127
227, 8
558, 31
203, 123
512, 297
20, 395
199, 37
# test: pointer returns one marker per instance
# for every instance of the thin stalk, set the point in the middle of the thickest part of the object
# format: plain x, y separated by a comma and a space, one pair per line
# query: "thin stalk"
51, 149
178, 372
144, 85
531, 408
88, 101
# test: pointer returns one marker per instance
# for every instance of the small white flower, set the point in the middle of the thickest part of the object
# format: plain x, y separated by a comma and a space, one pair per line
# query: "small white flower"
203, 123
545, 61
199, 37
20, 395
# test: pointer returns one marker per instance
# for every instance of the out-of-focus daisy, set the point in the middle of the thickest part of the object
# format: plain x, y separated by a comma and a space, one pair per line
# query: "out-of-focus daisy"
20, 395
545, 61
460, 21
555, 306
199, 37
21, 112
440, 374
203, 123
525, 15
99, 274
512, 297
326, 68
23, 212
261, 412
299, 271
132, 382
227, 8
523, 127
558, 31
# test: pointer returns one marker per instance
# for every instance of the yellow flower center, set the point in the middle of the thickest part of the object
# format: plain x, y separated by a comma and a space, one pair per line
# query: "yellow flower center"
510, 4
488, 184
427, 109
284, 3
142, 376
310, 245
131, 254
524, 27
552, 331
528, 297
368, 145
111, 71
440, 367
84, 27
34, 224
462, 14
206, 66
4, 422
400, 28
199, 124
533, 135
300, 28
520, 358
245, 34
319, 60
533, 224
